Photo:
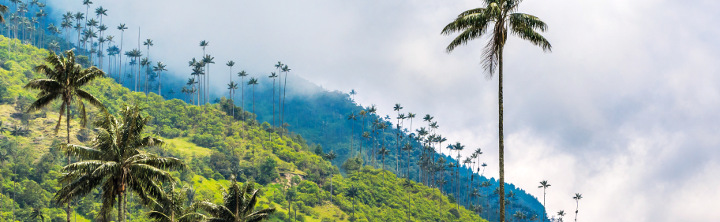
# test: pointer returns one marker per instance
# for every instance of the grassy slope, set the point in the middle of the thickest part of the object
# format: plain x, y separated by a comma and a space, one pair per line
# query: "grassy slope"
381, 196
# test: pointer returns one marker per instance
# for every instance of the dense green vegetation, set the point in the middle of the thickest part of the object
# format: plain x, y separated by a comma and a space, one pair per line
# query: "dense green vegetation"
291, 175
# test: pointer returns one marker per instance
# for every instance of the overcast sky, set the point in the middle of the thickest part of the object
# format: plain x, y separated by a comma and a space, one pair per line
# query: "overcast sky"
625, 110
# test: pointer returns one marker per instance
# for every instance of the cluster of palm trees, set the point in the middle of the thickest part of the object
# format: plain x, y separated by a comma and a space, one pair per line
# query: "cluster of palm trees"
433, 166
91, 39
27, 21
117, 161
577, 197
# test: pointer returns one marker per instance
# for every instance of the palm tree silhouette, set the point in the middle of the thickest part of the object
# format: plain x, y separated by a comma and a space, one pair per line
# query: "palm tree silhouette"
498, 15
352, 117
117, 162
330, 156
232, 86
207, 60
353, 193
383, 151
148, 43
87, 3
577, 198
561, 213
144, 62
544, 184
159, 68
203, 80
242, 75
230, 64
286, 70
253, 82
272, 76
122, 29
397, 108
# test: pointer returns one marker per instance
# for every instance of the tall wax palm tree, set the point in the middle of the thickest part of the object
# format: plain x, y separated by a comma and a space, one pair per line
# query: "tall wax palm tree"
278, 67
122, 29
118, 164
144, 62
66, 25
242, 75
197, 72
148, 43
544, 184
230, 64
253, 82
159, 68
87, 4
100, 12
79, 16
207, 60
111, 52
500, 16
353, 118
91, 33
136, 54
203, 80
330, 156
286, 70
238, 205
383, 151
397, 109
577, 198
232, 86
352, 193
101, 29
273, 76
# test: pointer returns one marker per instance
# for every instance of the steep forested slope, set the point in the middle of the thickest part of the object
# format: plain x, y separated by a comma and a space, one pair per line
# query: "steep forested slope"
214, 144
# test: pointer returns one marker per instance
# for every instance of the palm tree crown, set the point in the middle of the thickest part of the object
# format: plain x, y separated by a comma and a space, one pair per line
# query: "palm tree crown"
64, 81
238, 205
117, 162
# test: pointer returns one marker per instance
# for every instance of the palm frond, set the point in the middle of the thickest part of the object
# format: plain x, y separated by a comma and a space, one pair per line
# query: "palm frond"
525, 26
43, 101
90, 99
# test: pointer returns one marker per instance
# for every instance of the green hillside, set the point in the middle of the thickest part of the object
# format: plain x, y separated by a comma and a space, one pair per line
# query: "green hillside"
213, 144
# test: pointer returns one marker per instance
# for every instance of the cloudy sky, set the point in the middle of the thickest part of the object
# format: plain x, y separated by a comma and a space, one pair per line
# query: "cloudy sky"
625, 110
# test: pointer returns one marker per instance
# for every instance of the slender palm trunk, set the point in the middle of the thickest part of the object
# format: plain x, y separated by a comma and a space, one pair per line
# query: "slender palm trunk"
500, 134
282, 108
137, 76
544, 207
331, 187
577, 205
253, 99
147, 72
273, 102
160, 89
242, 96
122, 33
67, 122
